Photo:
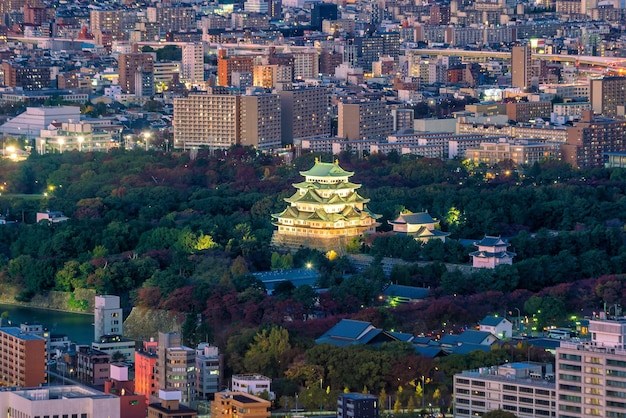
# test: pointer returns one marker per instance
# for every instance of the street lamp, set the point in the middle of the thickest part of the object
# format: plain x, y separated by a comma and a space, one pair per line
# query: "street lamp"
146, 136
81, 139
61, 141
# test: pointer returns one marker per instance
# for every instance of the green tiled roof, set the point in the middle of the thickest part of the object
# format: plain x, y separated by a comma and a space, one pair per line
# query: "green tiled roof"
326, 170
329, 186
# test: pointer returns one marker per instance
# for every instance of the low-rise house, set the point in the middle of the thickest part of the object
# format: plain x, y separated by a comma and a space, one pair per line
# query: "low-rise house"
498, 326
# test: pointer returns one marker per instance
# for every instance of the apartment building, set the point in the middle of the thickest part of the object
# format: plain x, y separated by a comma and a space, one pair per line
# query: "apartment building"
206, 120
22, 358
192, 68
357, 405
92, 366
527, 390
255, 384
305, 114
146, 382
226, 65
364, 120
169, 406
209, 369
131, 70
589, 140
261, 121
176, 367
607, 94
591, 379
526, 111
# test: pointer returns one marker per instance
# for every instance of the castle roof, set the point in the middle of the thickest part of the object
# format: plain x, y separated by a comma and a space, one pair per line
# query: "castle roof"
414, 219
326, 170
489, 241
326, 186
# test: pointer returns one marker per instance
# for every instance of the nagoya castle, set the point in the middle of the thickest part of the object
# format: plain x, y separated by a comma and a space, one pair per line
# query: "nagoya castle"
324, 213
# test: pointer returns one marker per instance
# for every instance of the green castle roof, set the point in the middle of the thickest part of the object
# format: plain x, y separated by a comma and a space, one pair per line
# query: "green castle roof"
326, 170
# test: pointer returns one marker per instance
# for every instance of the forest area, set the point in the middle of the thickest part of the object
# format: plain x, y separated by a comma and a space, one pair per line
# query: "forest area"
169, 232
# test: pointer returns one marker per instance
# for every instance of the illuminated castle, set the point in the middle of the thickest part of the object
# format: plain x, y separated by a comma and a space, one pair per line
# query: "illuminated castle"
324, 213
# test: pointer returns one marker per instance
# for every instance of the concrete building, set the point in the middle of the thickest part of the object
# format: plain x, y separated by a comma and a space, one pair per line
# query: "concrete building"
518, 151
172, 18
22, 358
305, 113
92, 366
169, 406
146, 382
592, 137
206, 120
192, 66
108, 328
131, 67
60, 401
209, 369
26, 77
526, 111
607, 94
591, 378
226, 65
108, 318
527, 390
357, 405
239, 405
254, 384
176, 367
364, 120
260, 121
115, 22
131, 404
521, 71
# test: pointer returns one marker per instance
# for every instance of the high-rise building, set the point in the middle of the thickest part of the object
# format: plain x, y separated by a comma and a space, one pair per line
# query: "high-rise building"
129, 65
607, 94
591, 378
226, 65
305, 113
209, 369
591, 138
306, 65
206, 120
521, 72
275, 9
364, 120
272, 76
260, 121
176, 369
22, 358
192, 69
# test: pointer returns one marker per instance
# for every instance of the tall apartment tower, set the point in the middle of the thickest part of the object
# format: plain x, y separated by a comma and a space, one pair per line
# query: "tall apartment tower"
260, 121
305, 113
129, 65
591, 379
364, 120
607, 94
206, 120
176, 368
521, 73
192, 69
107, 317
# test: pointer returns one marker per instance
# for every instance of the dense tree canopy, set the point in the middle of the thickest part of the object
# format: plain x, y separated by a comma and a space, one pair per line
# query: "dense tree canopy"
166, 231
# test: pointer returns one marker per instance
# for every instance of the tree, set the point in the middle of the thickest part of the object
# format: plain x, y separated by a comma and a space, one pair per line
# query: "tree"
268, 353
